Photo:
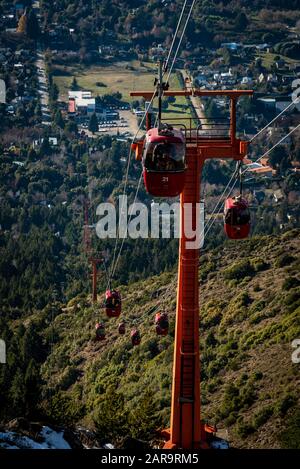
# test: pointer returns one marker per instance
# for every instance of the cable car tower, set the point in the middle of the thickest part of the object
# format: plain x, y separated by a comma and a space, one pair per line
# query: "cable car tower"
186, 430
95, 259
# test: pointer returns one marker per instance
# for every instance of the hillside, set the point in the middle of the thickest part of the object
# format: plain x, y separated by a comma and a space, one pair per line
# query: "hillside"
142, 22
60, 159
250, 300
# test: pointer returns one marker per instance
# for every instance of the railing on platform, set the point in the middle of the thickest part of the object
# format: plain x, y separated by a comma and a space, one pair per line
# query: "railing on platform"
199, 129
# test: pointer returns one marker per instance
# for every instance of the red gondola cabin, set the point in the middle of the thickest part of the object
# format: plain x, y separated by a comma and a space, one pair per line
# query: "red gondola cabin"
100, 331
135, 337
122, 328
236, 218
164, 162
162, 323
113, 303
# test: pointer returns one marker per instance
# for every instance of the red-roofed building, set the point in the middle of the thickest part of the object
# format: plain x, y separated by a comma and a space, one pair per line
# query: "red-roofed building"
72, 106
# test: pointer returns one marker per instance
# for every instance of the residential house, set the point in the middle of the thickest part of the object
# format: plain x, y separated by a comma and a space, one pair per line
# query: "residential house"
258, 170
231, 45
278, 195
247, 81
280, 63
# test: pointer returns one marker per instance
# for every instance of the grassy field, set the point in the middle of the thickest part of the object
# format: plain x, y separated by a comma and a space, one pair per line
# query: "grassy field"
122, 77
268, 59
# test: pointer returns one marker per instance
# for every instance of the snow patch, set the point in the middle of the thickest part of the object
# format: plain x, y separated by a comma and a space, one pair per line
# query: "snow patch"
50, 440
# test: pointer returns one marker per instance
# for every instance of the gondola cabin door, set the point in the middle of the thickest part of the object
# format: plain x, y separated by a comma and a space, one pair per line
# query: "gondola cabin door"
164, 163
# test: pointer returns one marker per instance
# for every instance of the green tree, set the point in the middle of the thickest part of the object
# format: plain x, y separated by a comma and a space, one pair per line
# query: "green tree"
112, 417
58, 119
32, 382
277, 155
93, 124
145, 420
17, 392
32, 26
74, 85
241, 21
45, 147
72, 127
53, 92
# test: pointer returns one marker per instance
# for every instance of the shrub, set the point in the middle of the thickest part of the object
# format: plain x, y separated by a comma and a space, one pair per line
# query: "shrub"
284, 260
214, 385
258, 306
231, 419
257, 375
243, 299
111, 417
239, 270
211, 341
244, 429
292, 297
69, 377
285, 404
290, 282
259, 265
290, 436
65, 409
262, 416
248, 396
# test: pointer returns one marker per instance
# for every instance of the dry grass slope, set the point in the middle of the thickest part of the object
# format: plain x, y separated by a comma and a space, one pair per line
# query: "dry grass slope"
249, 315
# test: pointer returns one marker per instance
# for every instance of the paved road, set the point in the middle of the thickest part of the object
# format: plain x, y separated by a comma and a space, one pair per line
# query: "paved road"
43, 87
196, 101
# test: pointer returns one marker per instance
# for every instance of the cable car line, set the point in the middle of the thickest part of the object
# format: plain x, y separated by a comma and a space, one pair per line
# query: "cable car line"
175, 36
113, 268
276, 144
114, 263
130, 214
211, 222
126, 178
238, 173
275, 118
237, 217
181, 38
234, 176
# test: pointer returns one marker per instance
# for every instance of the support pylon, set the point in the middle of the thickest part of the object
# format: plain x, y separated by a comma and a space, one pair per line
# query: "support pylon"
186, 430
95, 262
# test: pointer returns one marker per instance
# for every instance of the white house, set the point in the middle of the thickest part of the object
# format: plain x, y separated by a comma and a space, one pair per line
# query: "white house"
247, 81
80, 94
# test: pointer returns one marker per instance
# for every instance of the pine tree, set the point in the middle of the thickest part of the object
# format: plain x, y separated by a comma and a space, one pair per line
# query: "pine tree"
93, 124
58, 119
145, 420
32, 347
112, 417
32, 26
32, 384
53, 92
74, 85
45, 147
17, 393
241, 21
